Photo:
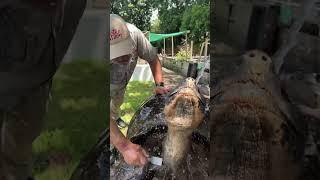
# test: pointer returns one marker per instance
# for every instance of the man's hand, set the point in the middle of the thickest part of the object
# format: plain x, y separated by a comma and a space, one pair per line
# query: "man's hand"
161, 90
135, 155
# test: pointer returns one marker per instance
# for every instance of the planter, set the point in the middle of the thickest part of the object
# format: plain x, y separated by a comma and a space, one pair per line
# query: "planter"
181, 67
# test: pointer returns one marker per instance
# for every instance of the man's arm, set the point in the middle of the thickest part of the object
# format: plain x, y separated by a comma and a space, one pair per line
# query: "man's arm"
116, 137
147, 52
156, 69
133, 154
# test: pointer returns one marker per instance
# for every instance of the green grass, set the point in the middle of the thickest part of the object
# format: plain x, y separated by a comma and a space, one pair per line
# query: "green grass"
57, 173
136, 94
77, 114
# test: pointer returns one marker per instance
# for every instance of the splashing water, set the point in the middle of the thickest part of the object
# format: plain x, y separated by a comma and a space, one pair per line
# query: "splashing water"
195, 165
206, 64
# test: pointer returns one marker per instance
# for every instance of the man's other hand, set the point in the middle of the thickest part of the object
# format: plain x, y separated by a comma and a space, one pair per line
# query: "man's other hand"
134, 154
162, 90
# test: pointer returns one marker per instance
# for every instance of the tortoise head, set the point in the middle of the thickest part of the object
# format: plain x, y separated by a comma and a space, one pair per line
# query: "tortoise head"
184, 108
257, 62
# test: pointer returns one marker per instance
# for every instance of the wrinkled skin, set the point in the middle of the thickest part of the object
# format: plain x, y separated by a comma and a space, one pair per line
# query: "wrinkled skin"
183, 114
251, 124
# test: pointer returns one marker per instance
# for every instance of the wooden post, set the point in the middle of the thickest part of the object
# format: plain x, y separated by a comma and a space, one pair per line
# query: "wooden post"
172, 46
164, 46
191, 50
206, 47
201, 49
187, 41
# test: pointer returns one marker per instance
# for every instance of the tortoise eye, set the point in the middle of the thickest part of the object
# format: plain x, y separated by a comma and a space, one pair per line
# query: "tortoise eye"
264, 58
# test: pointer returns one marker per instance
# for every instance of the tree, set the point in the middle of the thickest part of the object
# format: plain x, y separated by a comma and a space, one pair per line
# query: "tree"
155, 26
171, 12
137, 12
196, 19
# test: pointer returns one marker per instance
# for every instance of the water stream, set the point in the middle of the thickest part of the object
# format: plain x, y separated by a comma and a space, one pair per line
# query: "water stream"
201, 73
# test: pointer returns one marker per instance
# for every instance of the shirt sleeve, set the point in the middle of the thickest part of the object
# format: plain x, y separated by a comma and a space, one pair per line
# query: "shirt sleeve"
144, 48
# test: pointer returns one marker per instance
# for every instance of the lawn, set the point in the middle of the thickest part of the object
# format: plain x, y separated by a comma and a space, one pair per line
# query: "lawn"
77, 114
136, 93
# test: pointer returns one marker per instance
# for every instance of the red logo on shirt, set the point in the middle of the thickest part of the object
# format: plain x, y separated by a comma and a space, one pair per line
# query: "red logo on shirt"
115, 34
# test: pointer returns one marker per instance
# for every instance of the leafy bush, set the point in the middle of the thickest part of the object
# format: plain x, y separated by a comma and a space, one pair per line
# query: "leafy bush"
183, 55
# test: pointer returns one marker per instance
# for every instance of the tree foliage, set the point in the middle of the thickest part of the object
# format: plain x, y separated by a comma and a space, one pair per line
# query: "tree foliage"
155, 26
137, 12
170, 13
174, 15
195, 19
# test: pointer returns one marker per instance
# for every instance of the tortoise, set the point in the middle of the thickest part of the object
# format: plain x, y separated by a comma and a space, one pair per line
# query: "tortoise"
174, 127
253, 133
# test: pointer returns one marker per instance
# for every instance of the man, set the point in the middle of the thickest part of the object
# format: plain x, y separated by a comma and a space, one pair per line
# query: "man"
127, 43
34, 37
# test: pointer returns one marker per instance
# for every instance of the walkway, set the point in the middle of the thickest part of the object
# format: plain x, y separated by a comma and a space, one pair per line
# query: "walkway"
171, 79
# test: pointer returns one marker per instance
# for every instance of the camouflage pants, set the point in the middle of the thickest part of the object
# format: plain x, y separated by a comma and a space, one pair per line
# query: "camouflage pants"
120, 77
117, 95
19, 127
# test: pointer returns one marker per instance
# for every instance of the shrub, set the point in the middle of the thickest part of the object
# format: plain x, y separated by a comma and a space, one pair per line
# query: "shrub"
183, 55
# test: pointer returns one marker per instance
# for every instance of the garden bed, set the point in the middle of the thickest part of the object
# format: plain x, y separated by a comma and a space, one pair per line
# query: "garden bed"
181, 67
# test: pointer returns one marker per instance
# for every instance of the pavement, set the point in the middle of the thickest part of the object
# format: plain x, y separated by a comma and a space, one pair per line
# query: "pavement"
170, 78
